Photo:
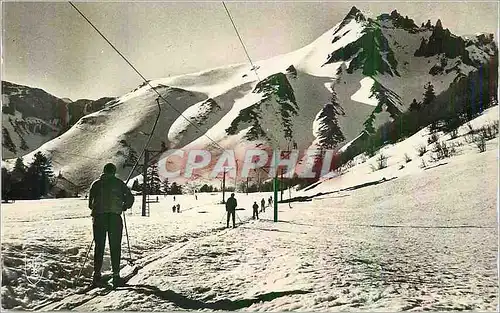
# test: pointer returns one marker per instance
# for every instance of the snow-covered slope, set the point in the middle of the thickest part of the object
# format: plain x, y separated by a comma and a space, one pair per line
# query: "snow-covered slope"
426, 240
375, 65
403, 157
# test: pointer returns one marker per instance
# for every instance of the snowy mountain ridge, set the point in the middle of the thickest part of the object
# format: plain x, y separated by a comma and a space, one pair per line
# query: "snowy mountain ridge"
374, 66
31, 117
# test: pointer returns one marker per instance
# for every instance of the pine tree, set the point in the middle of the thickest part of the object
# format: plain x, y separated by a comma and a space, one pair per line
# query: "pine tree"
206, 188
415, 106
6, 185
165, 187
153, 182
136, 186
429, 94
19, 170
330, 134
40, 177
19, 182
175, 189
368, 124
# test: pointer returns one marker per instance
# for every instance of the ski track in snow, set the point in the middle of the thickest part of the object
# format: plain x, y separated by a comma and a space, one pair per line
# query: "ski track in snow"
418, 240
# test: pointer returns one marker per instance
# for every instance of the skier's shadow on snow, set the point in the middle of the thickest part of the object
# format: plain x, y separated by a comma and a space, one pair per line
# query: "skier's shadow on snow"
273, 229
192, 304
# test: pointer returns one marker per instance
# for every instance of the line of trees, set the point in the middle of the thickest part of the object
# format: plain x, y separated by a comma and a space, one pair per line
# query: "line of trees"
154, 185
28, 182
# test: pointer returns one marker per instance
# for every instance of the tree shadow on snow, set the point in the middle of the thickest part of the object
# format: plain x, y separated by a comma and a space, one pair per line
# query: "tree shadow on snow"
431, 167
309, 198
191, 304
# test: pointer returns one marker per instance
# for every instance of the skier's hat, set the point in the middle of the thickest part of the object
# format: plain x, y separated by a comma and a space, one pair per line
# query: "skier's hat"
109, 168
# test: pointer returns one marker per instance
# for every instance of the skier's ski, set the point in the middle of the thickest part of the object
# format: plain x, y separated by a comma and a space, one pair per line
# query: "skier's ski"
127, 273
104, 284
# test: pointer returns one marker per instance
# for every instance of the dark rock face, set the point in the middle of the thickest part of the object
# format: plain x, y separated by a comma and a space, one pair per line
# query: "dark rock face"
279, 99
82, 107
34, 102
368, 52
354, 14
399, 21
292, 71
442, 41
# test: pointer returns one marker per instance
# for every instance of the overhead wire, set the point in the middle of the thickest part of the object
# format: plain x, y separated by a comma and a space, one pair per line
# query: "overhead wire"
156, 91
148, 83
254, 68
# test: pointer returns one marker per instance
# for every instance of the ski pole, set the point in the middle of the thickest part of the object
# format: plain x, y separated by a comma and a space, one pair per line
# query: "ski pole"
128, 240
238, 218
84, 261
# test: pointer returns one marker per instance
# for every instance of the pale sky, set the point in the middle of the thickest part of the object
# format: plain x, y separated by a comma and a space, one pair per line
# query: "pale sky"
48, 45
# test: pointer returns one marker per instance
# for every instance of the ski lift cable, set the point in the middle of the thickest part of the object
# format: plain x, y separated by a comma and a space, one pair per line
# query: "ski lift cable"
159, 95
148, 83
241, 40
138, 73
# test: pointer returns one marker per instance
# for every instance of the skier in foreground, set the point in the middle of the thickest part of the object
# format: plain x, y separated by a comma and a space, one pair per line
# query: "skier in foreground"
108, 197
231, 205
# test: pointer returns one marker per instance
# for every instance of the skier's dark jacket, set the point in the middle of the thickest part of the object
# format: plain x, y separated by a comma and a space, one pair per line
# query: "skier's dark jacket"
231, 204
109, 194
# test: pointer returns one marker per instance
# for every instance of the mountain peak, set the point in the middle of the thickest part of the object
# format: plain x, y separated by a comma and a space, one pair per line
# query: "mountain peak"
356, 14
439, 25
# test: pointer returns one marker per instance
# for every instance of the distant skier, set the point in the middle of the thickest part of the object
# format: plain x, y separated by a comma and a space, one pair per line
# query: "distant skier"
174, 198
270, 200
263, 205
231, 205
173, 208
196, 197
178, 208
108, 198
255, 210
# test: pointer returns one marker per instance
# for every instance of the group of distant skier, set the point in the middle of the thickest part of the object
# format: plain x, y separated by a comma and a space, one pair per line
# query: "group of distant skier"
176, 208
231, 205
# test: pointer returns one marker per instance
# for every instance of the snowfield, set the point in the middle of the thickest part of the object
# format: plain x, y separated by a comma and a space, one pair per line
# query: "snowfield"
390, 240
